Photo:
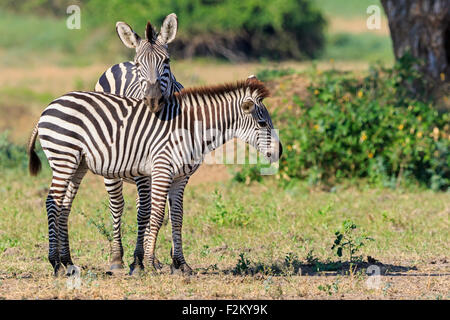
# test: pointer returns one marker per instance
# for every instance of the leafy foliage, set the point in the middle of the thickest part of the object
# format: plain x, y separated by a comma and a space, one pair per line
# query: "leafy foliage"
11, 155
374, 128
224, 215
347, 240
227, 28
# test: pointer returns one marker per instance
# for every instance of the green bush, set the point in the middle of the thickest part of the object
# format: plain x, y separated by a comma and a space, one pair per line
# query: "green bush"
374, 128
227, 28
11, 155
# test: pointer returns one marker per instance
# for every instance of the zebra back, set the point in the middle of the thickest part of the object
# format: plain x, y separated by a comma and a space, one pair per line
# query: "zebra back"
121, 79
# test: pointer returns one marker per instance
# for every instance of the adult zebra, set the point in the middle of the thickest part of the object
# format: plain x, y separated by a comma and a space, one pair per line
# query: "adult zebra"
119, 137
148, 73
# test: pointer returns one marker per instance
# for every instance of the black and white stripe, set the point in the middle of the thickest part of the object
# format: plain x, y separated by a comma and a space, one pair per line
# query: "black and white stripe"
130, 79
120, 138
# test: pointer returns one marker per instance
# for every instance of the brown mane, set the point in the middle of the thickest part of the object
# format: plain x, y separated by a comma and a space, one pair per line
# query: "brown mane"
252, 84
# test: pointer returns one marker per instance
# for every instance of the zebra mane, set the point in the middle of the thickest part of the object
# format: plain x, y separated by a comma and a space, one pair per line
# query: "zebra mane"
252, 84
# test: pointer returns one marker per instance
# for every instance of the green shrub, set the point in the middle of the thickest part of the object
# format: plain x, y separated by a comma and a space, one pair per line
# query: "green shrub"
270, 74
225, 28
11, 155
374, 128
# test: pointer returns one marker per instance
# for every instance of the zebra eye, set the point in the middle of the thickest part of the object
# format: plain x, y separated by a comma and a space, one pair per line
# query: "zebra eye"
167, 61
262, 123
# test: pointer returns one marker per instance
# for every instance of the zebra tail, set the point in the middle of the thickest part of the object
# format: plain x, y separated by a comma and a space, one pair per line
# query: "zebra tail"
34, 164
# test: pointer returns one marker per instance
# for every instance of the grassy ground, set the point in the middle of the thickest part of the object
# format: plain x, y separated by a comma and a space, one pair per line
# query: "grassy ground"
242, 241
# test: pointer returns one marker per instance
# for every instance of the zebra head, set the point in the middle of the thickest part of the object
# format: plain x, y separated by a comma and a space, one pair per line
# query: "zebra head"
256, 127
152, 59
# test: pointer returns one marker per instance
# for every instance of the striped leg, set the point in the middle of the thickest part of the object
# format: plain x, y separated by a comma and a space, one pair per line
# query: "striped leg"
143, 204
176, 217
71, 192
161, 182
116, 205
54, 202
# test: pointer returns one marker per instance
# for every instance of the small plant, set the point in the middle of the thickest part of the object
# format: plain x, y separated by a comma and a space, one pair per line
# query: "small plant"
100, 224
330, 288
347, 240
223, 215
242, 266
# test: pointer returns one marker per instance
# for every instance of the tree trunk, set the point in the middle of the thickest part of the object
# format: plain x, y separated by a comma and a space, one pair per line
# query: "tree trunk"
422, 27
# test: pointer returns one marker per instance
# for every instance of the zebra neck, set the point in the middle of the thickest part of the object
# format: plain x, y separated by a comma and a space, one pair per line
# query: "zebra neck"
214, 118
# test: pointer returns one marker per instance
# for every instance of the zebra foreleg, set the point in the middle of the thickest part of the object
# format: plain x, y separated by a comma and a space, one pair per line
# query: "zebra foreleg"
71, 192
116, 205
176, 217
161, 181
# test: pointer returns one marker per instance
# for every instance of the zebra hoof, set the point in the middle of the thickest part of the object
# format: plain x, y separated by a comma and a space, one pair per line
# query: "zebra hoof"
73, 271
157, 265
58, 271
135, 271
183, 269
116, 266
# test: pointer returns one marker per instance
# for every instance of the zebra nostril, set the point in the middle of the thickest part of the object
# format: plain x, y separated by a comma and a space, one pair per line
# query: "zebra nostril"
269, 154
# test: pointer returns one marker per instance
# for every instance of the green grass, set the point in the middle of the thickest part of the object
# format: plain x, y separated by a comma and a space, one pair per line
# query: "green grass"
365, 46
347, 8
259, 229
29, 39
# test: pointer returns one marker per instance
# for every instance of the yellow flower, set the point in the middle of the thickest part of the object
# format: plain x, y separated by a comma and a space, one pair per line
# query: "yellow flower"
436, 133
289, 148
360, 94
400, 127
419, 118
363, 137
370, 155
316, 126
419, 134
442, 76
290, 107
316, 92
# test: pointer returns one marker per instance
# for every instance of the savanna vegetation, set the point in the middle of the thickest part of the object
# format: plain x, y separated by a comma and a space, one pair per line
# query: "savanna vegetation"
363, 184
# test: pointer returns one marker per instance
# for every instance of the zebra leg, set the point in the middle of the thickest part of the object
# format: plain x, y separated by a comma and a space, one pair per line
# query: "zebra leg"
161, 182
116, 205
176, 217
71, 192
143, 206
54, 202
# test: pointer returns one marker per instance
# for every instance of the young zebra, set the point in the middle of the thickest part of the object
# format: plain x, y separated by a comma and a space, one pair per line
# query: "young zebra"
119, 137
148, 75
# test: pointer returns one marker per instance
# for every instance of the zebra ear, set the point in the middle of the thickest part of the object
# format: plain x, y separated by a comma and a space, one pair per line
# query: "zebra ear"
252, 78
169, 29
150, 33
248, 106
127, 35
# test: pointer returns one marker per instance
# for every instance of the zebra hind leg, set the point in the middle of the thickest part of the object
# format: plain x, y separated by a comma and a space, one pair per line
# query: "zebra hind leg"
54, 202
144, 203
176, 194
143, 206
71, 192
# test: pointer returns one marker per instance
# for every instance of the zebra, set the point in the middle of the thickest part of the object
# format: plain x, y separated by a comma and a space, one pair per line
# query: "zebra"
120, 137
132, 79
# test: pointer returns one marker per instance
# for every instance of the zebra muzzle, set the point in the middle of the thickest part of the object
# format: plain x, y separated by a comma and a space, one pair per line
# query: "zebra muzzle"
154, 104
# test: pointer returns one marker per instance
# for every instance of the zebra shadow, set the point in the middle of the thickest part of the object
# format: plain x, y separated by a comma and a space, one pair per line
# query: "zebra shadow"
291, 266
